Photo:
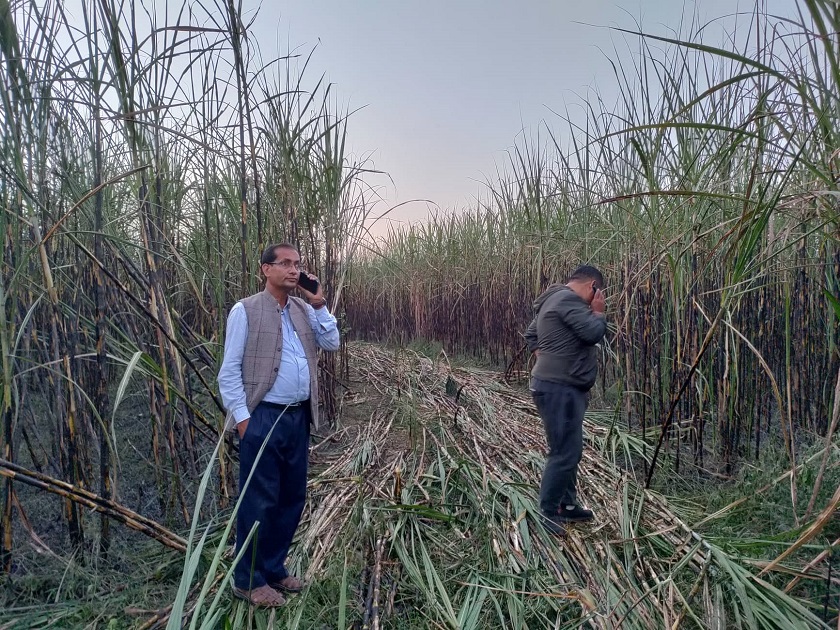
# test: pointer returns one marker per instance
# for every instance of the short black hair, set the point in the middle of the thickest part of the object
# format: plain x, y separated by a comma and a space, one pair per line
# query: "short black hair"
269, 254
588, 272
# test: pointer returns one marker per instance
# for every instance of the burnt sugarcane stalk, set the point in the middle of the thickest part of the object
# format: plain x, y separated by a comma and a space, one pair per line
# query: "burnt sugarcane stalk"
162, 404
80, 496
101, 371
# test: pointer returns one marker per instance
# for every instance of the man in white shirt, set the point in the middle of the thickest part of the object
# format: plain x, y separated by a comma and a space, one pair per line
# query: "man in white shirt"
269, 385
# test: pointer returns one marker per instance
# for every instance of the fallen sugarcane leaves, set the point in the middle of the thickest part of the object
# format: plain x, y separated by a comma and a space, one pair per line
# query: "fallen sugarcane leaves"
425, 514
477, 462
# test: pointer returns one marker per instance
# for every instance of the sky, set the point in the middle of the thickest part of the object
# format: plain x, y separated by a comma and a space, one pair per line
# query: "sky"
445, 87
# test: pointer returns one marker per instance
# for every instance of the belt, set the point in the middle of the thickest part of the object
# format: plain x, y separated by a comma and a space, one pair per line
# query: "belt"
282, 406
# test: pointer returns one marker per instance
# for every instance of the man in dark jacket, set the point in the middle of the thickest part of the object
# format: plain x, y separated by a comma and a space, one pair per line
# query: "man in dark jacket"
569, 320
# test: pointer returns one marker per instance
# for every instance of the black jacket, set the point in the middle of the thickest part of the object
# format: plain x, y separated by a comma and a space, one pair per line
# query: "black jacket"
565, 331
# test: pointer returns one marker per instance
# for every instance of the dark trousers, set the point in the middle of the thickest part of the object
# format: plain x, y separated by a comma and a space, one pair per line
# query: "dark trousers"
561, 408
276, 493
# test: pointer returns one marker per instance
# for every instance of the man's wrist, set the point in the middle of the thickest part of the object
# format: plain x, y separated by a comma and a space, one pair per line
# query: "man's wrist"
317, 304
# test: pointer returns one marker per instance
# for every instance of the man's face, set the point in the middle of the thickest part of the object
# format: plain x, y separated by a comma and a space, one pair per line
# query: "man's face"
284, 272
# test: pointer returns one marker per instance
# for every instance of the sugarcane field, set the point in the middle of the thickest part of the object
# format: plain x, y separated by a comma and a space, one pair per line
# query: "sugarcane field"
465, 315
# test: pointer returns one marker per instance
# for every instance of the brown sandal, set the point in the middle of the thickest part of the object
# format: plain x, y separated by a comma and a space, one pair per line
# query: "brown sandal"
289, 584
263, 596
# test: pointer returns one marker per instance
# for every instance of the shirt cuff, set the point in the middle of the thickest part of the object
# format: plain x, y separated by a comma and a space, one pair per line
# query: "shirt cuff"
240, 414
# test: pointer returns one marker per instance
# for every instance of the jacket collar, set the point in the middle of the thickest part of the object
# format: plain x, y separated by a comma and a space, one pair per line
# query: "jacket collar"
271, 300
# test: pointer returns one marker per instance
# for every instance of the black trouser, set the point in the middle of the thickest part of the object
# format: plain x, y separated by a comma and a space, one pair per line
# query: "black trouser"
276, 493
561, 408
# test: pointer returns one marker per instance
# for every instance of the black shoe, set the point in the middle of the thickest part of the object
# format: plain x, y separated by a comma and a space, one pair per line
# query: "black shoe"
552, 525
574, 513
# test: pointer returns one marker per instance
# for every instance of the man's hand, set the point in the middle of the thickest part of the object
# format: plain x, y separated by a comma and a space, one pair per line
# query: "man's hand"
598, 305
241, 427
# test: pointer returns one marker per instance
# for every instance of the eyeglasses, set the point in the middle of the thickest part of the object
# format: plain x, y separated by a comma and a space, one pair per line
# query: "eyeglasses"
286, 264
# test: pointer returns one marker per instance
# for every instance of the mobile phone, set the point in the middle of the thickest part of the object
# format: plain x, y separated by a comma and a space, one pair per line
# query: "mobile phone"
307, 283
